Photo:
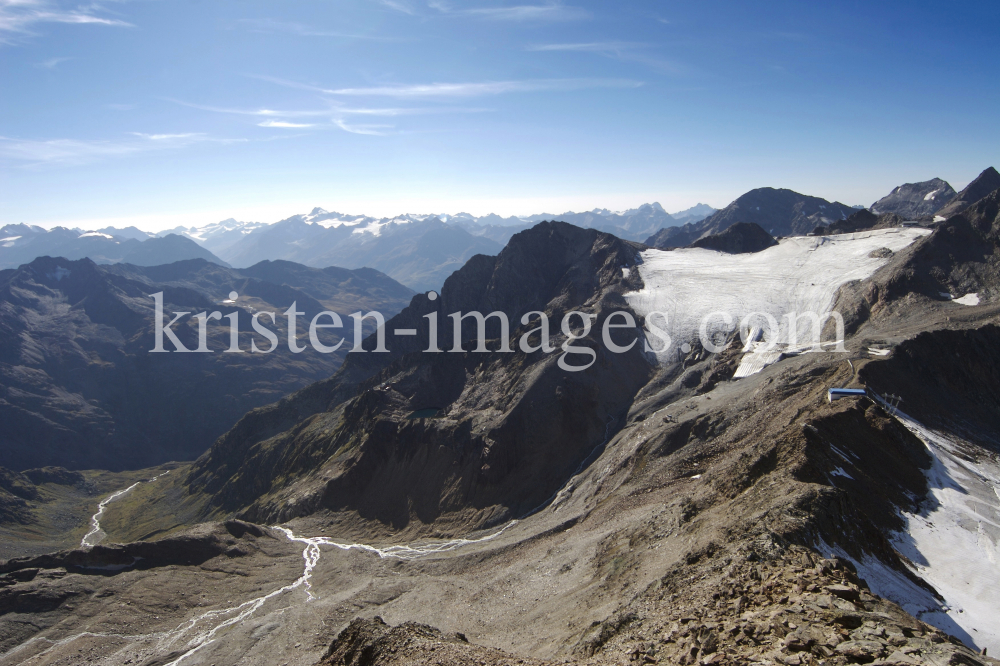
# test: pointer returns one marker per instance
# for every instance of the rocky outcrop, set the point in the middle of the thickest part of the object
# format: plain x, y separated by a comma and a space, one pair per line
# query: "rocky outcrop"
795, 607
506, 430
740, 238
986, 182
952, 377
916, 200
961, 256
370, 642
863, 220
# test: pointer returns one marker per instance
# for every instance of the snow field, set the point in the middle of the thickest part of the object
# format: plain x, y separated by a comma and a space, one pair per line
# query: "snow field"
800, 274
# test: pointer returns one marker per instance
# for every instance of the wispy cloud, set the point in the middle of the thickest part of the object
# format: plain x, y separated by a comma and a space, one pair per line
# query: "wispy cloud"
370, 130
284, 124
591, 47
337, 114
627, 51
74, 152
267, 113
270, 25
169, 137
51, 63
550, 11
399, 6
474, 89
19, 17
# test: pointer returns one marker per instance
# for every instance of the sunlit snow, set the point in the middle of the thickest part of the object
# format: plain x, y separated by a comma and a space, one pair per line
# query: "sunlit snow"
954, 542
968, 299
800, 274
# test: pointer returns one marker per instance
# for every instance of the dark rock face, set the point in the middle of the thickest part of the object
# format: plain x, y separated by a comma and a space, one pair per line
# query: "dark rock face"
79, 388
981, 187
511, 426
778, 212
916, 200
863, 220
740, 238
952, 377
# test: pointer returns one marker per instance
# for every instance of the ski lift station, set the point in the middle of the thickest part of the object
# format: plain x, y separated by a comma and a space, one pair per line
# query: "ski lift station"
838, 393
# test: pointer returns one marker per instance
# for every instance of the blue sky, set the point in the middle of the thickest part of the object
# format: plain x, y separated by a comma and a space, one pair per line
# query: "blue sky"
160, 112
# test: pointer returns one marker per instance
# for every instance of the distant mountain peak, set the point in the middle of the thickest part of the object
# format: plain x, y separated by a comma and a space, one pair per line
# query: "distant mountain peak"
985, 183
779, 211
916, 200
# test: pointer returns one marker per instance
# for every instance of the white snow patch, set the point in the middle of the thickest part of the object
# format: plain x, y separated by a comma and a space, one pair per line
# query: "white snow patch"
96, 234
375, 227
968, 299
334, 223
895, 586
939, 218
625, 272
842, 454
930, 195
953, 542
840, 472
9, 239
800, 274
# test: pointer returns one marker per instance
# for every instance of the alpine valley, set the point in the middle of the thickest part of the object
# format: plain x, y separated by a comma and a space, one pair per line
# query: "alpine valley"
726, 497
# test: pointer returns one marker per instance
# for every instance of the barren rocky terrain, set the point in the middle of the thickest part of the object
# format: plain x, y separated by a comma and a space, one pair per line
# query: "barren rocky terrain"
488, 509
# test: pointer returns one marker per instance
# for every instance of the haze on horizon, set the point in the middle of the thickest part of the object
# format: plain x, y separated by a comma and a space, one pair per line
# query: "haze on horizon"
159, 114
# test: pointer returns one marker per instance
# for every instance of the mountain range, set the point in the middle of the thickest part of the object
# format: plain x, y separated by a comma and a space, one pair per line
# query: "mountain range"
79, 388
783, 212
704, 505
22, 243
779, 212
419, 251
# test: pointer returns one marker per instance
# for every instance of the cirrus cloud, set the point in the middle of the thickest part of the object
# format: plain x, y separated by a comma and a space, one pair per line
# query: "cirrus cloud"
19, 17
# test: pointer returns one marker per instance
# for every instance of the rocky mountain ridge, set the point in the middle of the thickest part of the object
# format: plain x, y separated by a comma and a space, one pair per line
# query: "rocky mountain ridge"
78, 378
22, 244
779, 212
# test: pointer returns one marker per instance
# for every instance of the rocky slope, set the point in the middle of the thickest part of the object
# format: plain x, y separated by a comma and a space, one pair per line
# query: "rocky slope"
369, 439
961, 257
916, 200
737, 239
779, 212
979, 188
78, 384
